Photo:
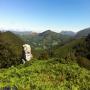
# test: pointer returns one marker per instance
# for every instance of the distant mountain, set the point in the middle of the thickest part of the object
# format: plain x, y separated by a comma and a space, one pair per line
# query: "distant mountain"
47, 32
45, 39
24, 32
83, 33
69, 33
10, 49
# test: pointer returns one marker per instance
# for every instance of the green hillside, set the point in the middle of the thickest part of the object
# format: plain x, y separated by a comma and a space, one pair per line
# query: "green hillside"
10, 49
45, 75
67, 49
77, 50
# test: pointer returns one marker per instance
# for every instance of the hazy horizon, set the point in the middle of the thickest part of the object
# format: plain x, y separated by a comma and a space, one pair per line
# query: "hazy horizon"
41, 15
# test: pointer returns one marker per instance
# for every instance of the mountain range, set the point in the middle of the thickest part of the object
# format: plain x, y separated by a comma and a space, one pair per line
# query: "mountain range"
81, 33
45, 39
48, 37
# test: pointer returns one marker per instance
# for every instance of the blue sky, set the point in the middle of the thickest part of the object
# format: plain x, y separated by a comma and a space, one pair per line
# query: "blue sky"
40, 15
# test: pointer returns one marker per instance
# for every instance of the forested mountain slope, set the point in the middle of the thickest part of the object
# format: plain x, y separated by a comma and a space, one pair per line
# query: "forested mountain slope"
78, 49
10, 49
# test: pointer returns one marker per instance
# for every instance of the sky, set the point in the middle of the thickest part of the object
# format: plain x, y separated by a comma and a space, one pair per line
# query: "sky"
41, 15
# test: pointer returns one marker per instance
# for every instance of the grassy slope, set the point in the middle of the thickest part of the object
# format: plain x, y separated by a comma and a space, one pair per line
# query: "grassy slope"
46, 75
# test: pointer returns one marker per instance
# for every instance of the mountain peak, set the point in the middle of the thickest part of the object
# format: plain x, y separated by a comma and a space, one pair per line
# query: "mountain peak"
69, 33
47, 32
83, 33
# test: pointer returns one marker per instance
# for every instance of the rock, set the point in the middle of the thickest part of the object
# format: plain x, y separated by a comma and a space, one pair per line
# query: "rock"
27, 52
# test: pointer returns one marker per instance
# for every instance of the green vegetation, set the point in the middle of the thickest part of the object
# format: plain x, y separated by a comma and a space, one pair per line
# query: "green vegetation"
45, 39
46, 75
42, 44
10, 49
77, 50
56, 67
67, 49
